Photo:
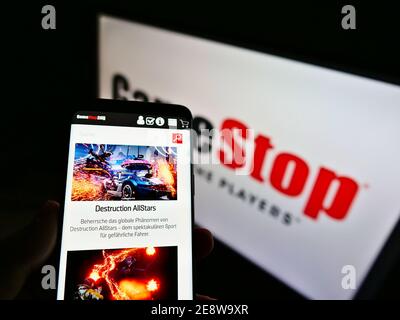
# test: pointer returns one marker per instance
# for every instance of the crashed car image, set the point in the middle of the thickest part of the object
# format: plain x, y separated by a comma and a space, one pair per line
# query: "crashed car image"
136, 181
123, 172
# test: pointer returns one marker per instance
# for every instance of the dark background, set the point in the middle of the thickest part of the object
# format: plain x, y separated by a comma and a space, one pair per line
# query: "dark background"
46, 71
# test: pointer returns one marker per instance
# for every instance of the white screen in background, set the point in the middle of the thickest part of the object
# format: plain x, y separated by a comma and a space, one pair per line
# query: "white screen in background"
329, 119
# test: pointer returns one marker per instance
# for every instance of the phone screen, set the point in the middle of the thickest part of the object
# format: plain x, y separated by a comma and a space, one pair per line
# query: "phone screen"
127, 228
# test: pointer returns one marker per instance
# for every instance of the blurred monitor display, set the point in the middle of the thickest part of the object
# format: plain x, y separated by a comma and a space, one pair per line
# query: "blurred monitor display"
322, 194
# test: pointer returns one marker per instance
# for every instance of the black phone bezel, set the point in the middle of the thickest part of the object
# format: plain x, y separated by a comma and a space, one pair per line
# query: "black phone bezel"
129, 107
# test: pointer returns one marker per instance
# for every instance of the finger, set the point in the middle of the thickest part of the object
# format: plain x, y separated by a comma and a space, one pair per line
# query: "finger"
42, 234
203, 243
12, 279
28, 249
204, 297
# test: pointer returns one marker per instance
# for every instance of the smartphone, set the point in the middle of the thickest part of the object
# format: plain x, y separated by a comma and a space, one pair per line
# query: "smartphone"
128, 211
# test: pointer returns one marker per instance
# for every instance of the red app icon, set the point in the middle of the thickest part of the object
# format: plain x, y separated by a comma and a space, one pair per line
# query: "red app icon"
177, 138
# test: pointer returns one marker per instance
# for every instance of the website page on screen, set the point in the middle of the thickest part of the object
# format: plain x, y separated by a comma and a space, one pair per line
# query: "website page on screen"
324, 191
127, 229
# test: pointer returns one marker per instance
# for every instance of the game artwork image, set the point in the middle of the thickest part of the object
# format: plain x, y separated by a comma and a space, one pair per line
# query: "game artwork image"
122, 274
123, 172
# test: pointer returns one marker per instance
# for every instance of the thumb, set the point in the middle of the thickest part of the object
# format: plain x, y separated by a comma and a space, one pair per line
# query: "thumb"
41, 235
27, 249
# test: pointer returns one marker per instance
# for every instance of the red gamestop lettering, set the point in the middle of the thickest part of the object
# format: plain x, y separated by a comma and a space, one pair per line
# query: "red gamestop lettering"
345, 191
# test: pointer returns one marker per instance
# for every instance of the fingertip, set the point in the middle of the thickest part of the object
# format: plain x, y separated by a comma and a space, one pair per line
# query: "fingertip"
205, 233
203, 297
43, 233
51, 205
203, 242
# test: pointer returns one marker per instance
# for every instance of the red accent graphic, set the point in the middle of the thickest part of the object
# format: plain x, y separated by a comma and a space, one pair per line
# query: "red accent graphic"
126, 289
177, 138
340, 202
298, 178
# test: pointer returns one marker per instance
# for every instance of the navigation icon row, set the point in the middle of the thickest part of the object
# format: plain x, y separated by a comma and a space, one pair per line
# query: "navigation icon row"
160, 121
150, 121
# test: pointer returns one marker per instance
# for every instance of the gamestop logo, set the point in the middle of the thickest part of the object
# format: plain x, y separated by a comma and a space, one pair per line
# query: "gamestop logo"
289, 174
332, 192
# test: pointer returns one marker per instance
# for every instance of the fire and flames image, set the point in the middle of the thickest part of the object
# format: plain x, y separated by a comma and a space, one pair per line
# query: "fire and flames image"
122, 274
124, 172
